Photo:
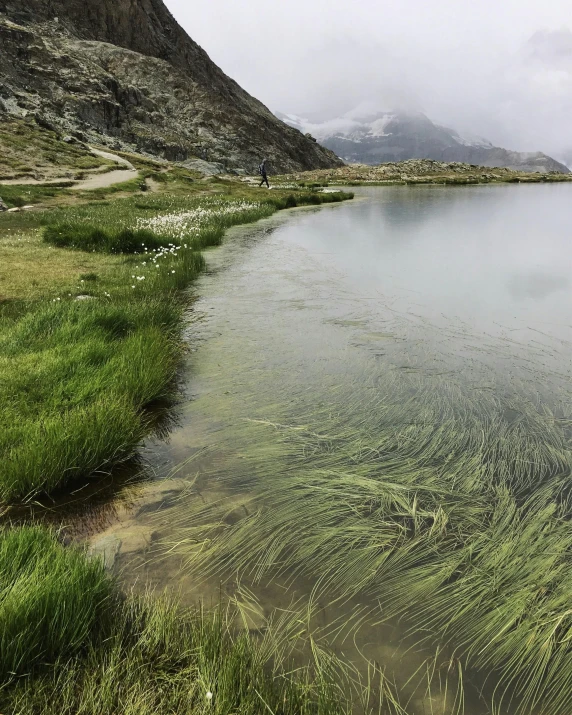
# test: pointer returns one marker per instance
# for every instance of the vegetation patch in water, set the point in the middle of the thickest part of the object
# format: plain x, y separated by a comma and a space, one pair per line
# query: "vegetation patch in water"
446, 501
72, 643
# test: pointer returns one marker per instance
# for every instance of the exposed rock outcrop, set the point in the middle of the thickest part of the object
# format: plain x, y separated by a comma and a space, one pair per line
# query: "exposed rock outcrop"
124, 72
423, 171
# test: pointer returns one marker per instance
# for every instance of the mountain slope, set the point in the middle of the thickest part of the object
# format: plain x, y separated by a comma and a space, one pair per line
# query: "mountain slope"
125, 70
369, 136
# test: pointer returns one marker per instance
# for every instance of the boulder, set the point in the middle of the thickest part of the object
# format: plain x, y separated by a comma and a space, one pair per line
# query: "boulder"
209, 168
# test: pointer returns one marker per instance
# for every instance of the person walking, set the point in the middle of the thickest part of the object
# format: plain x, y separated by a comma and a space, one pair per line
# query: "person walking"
263, 174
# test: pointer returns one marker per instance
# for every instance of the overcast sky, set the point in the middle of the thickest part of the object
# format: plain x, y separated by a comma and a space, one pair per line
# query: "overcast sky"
498, 68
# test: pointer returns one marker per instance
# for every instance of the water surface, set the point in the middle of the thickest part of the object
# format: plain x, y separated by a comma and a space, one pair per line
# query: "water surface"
315, 313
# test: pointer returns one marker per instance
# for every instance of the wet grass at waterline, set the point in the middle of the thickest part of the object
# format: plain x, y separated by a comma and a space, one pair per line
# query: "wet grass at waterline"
81, 359
77, 378
151, 222
51, 600
445, 500
71, 642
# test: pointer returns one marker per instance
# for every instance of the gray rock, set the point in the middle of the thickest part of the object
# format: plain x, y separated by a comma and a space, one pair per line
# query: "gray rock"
129, 72
106, 547
209, 168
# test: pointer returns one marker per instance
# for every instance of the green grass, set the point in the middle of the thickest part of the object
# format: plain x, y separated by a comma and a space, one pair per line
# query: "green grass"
86, 237
17, 195
71, 643
51, 600
82, 361
27, 149
77, 377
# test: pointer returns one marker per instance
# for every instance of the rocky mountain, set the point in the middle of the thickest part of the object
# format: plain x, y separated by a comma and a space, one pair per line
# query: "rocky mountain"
123, 72
369, 136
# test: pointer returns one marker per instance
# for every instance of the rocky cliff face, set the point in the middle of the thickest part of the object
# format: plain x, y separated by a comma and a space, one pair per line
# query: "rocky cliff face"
374, 137
124, 72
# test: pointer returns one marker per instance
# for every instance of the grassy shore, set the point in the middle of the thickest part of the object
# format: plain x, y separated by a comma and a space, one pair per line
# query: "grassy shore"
70, 643
91, 306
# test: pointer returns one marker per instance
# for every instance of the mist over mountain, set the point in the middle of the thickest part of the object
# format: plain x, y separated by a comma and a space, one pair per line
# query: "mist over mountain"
500, 70
369, 135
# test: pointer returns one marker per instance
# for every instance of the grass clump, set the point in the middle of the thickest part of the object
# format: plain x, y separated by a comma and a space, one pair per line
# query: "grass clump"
77, 379
71, 643
51, 600
86, 237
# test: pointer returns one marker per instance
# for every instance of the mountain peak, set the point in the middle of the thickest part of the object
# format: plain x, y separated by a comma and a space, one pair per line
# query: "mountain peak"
369, 134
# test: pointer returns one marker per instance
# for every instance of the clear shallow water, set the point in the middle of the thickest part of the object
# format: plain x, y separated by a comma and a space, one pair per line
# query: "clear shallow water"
306, 315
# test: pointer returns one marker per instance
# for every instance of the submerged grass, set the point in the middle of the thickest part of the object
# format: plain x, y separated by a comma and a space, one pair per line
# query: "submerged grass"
445, 501
71, 643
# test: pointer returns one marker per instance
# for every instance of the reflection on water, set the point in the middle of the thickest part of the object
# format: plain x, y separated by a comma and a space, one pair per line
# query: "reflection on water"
316, 319
537, 285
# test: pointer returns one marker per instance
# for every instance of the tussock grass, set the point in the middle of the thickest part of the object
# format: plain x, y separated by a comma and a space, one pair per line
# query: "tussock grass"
92, 238
75, 644
51, 600
76, 378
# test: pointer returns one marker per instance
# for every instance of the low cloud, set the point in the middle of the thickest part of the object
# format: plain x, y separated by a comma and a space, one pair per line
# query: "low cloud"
500, 70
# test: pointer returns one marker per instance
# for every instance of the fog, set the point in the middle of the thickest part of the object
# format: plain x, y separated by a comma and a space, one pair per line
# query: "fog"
502, 70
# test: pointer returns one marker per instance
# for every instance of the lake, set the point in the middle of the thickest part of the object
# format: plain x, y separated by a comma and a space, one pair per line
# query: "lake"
377, 397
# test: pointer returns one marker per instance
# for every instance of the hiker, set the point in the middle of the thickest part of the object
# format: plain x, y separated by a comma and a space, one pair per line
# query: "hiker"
262, 172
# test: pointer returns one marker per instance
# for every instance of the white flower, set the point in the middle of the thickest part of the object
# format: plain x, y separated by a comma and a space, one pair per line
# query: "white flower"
209, 695
172, 271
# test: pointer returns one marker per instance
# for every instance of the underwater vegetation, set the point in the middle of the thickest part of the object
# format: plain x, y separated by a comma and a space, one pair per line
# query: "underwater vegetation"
440, 497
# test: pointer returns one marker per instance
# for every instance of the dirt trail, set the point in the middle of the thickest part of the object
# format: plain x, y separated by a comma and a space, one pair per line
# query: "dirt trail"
102, 181
95, 180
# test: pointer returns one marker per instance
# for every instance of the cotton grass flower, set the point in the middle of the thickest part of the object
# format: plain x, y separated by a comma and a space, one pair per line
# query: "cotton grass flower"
182, 224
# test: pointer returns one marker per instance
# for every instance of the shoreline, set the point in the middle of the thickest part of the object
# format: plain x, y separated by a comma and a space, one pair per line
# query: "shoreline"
150, 311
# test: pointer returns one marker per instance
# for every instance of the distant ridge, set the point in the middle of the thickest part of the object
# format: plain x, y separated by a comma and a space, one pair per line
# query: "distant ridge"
370, 136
